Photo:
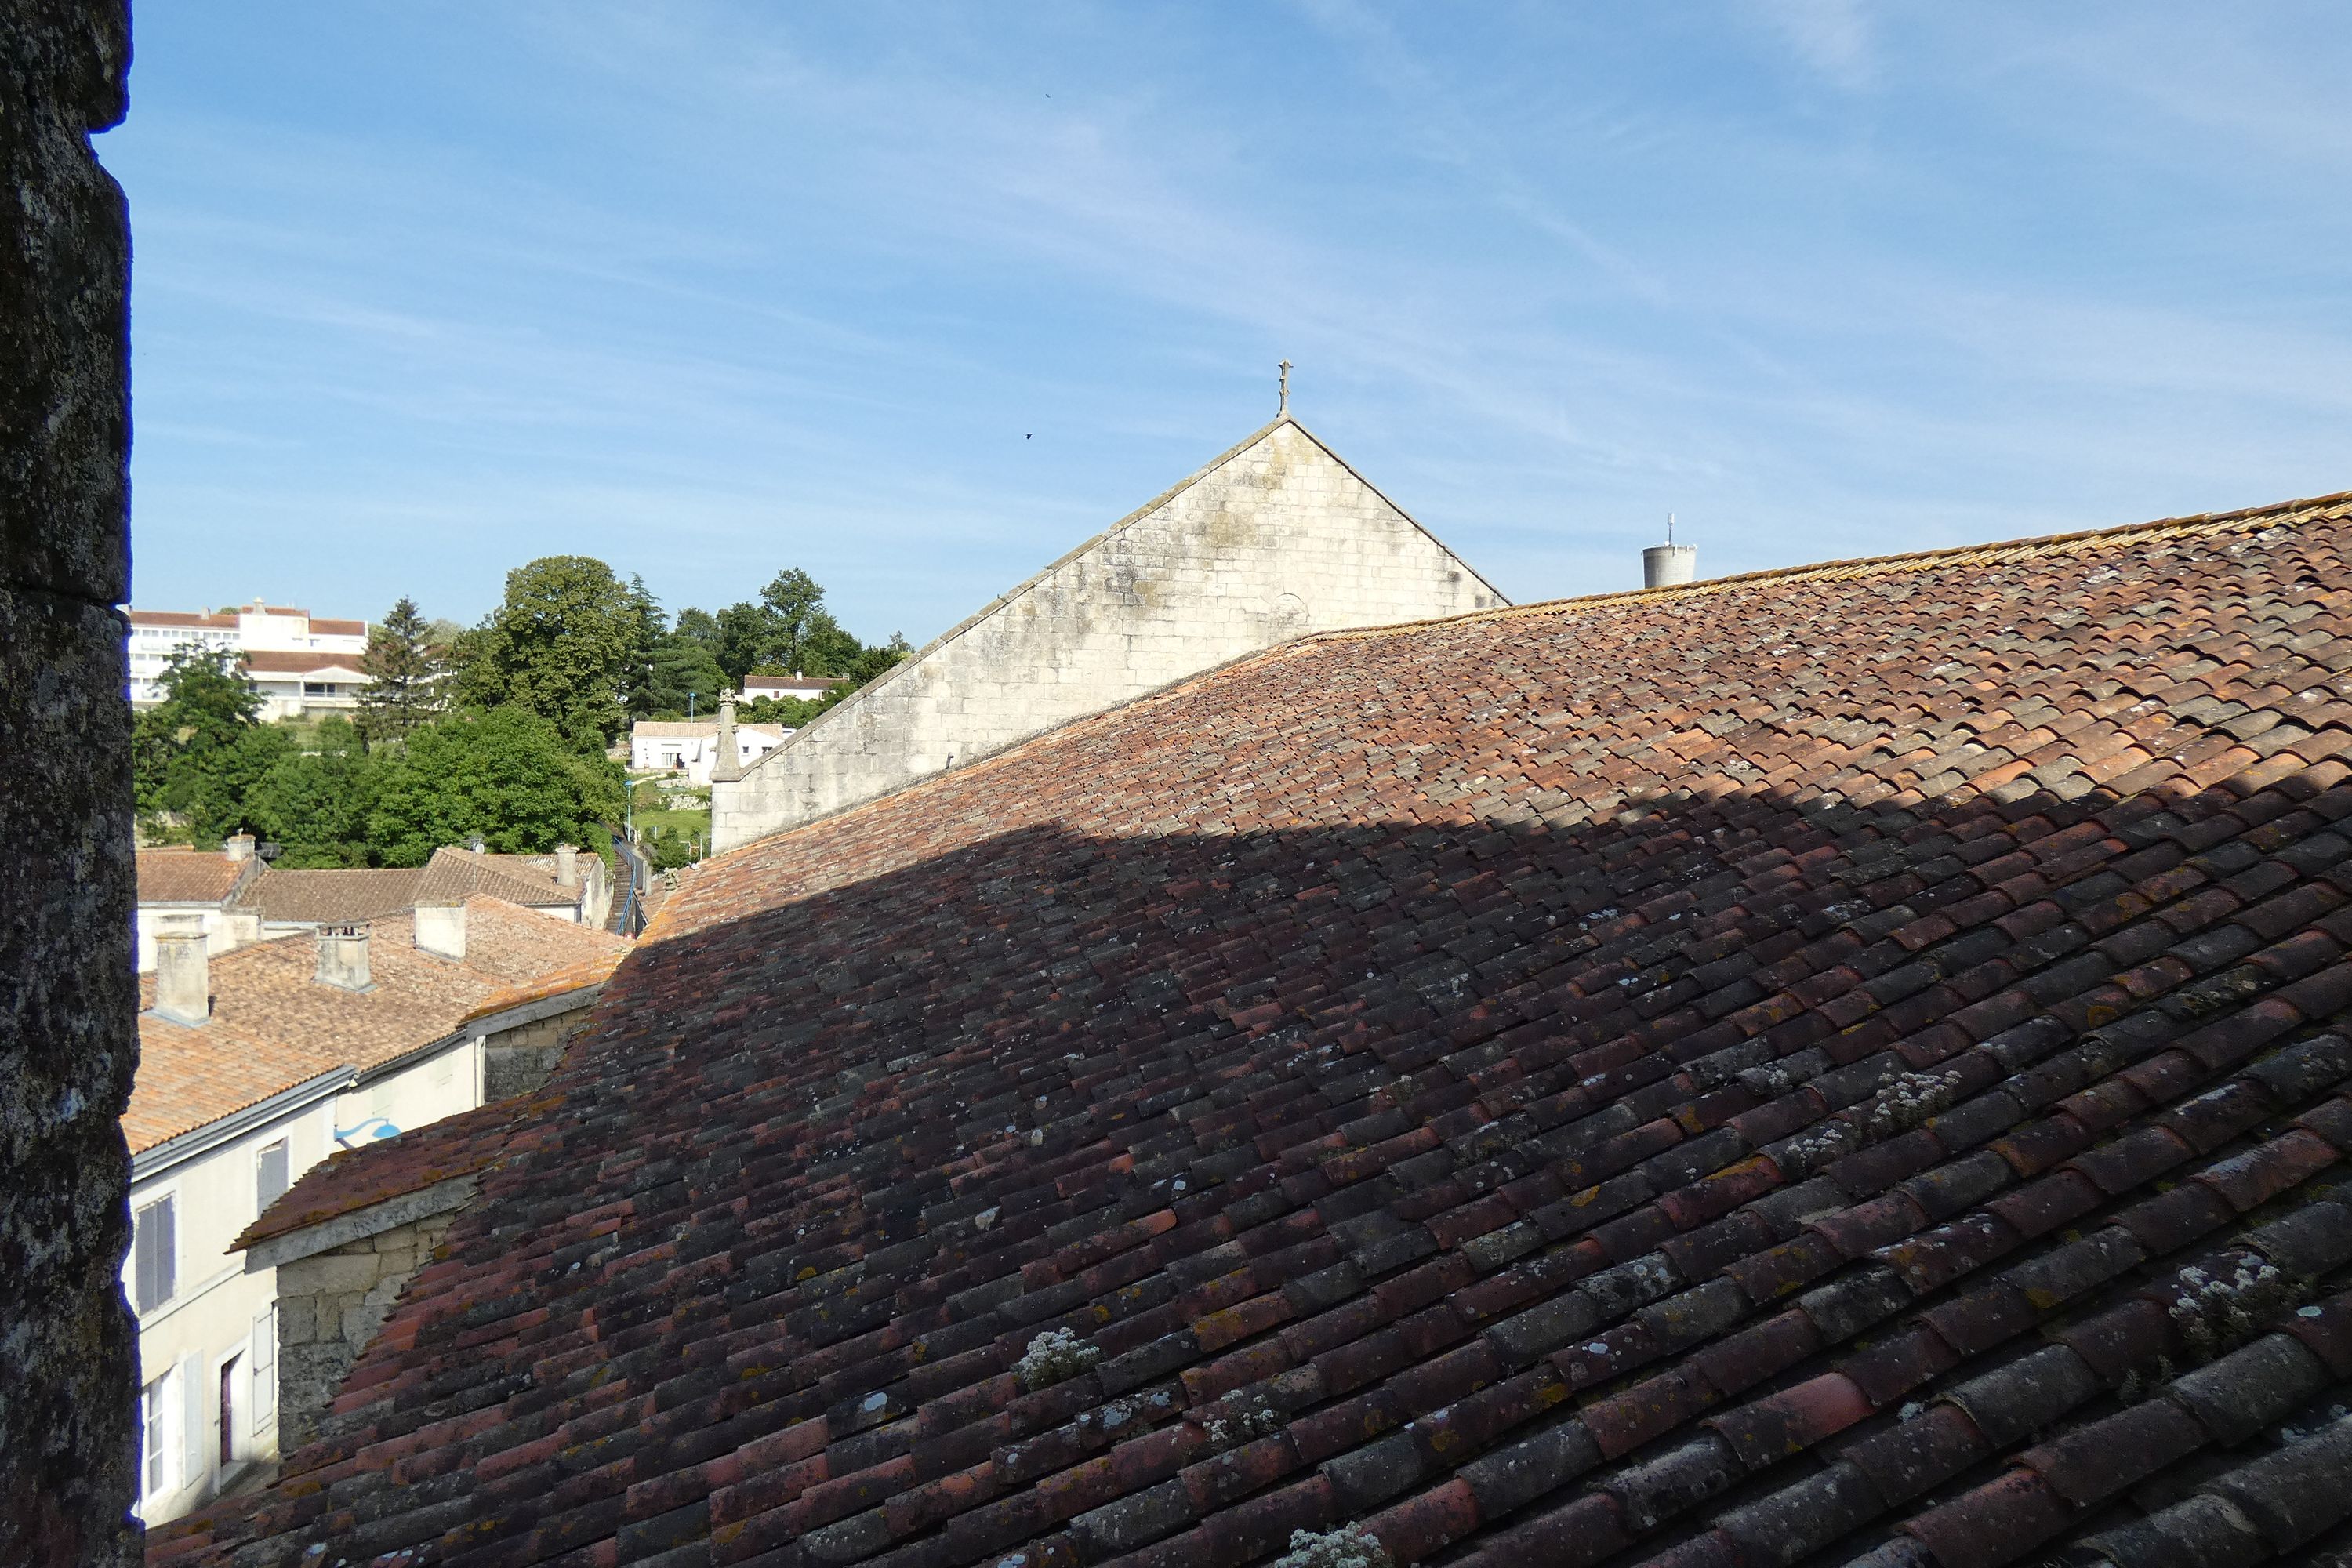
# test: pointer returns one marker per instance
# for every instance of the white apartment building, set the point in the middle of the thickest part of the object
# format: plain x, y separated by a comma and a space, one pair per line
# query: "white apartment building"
302, 663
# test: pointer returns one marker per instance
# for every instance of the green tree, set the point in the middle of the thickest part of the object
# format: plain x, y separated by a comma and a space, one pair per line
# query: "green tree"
316, 805
684, 665
742, 633
196, 754
646, 635
799, 634
506, 774
560, 646
403, 679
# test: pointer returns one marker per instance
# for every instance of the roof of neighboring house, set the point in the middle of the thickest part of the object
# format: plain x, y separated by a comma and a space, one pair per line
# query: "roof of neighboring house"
182, 876
262, 661
1836, 1065
328, 626
694, 730
452, 873
273, 1025
334, 897
593, 970
179, 618
331, 896
350, 1180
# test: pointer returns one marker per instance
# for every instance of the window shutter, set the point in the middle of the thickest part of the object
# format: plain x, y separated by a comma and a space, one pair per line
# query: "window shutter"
143, 1260
155, 1250
189, 1462
270, 1180
264, 1366
167, 1251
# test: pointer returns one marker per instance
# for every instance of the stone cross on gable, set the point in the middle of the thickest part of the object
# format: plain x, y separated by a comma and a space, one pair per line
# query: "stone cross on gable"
1285, 407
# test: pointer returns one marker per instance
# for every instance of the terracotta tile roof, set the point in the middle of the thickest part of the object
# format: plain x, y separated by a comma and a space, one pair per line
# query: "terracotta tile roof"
530, 880
184, 877
350, 1180
264, 661
179, 618
1842, 1065
328, 626
694, 730
273, 1025
593, 970
452, 875
330, 898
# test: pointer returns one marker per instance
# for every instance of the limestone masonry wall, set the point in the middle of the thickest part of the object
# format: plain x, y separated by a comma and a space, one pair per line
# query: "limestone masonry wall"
68, 1364
1276, 540
517, 1061
329, 1306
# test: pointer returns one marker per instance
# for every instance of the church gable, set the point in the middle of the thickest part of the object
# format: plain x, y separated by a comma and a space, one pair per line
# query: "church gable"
1276, 538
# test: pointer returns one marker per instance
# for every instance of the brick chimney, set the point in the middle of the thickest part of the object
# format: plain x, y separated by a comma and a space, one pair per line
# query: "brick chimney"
239, 847
344, 957
441, 928
567, 868
182, 975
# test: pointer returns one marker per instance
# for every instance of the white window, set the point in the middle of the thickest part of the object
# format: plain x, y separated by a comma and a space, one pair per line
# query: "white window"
159, 1418
155, 1255
265, 1367
269, 1176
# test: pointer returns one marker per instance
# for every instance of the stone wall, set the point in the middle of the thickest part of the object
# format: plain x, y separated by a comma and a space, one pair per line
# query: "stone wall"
1276, 538
520, 1060
329, 1306
68, 1366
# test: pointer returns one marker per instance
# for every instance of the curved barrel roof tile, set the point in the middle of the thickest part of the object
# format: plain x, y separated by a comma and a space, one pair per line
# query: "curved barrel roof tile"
1844, 1065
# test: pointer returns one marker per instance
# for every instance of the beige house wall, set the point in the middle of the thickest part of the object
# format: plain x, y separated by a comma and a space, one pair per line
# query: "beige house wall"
1277, 539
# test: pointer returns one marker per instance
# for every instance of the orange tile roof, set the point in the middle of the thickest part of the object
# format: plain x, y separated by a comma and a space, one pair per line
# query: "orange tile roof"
186, 877
179, 618
339, 897
591, 970
264, 661
332, 897
273, 1025
1847, 1064
350, 1180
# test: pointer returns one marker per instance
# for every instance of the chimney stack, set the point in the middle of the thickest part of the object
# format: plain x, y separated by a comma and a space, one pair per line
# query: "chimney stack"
182, 975
1669, 565
567, 868
344, 957
237, 847
441, 928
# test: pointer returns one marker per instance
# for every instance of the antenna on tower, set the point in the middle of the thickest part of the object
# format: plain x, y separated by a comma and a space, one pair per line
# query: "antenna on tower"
1669, 565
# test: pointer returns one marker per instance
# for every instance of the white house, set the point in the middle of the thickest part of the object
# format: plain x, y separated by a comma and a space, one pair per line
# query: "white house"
689, 746
254, 1065
302, 663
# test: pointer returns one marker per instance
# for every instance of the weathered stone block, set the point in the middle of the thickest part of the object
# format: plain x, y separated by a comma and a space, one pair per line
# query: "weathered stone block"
67, 1046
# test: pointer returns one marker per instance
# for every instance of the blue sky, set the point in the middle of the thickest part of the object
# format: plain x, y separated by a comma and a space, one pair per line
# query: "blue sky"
919, 296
